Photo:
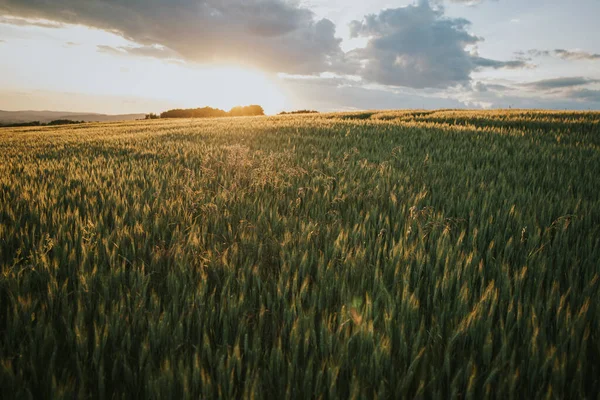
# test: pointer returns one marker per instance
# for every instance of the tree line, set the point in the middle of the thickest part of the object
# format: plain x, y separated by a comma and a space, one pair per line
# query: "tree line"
38, 123
298, 112
209, 112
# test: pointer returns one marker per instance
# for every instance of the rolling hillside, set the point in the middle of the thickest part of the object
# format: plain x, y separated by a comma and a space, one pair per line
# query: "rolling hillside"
11, 117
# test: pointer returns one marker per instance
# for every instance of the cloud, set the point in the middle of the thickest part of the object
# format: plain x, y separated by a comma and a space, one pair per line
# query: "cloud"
109, 50
417, 46
276, 35
576, 55
42, 23
561, 53
485, 87
585, 95
560, 93
560, 83
571, 99
530, 54
336, 93
154, 51
414, 46
467, 2
487, 63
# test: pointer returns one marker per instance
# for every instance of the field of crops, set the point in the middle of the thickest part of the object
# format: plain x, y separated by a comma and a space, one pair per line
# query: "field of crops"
360, 255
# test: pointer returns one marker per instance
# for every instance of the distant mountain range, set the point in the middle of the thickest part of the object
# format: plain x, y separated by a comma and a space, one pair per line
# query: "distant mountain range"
13, 117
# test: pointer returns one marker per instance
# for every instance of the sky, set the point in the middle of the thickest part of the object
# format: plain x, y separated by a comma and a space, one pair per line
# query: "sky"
139, 56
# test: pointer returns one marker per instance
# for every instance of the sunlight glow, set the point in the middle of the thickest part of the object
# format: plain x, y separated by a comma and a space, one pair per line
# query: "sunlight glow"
130, 83
226, 87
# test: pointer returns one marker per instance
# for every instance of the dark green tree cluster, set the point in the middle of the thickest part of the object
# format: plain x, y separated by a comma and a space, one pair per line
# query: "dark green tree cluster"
64, 122
299, 112
209, 112
205, 112
38, 123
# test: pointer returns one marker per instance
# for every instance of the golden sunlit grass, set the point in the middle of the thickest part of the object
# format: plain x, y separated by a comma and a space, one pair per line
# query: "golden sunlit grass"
411, 254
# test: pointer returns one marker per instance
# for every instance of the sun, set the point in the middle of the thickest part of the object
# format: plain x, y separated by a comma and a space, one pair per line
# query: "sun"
228, 86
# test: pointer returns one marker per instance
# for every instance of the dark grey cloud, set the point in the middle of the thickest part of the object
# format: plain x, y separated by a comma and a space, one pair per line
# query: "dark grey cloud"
560, 83
495, 64
571, 100
277, 35
485, 87
561, 93
585, 95
417, 46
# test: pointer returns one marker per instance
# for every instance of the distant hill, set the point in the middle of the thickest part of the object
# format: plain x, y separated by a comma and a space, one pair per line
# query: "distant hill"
12, 117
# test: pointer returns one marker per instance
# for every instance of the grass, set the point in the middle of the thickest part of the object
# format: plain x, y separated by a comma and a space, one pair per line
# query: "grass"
359, 255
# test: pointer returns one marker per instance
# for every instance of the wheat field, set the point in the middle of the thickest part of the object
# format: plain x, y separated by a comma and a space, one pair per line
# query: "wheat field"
400, 254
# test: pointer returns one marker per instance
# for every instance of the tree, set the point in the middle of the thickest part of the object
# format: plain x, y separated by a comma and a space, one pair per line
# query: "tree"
206, 112
299, 112
209, 112
247, 111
